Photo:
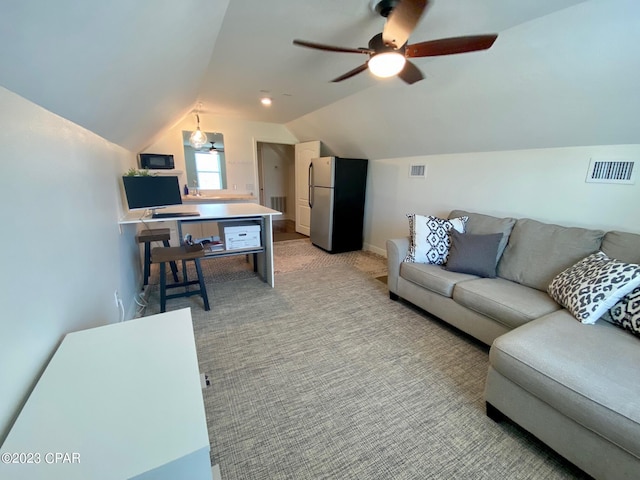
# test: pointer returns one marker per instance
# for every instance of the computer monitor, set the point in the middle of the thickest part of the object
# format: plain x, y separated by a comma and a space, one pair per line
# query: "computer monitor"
152, 192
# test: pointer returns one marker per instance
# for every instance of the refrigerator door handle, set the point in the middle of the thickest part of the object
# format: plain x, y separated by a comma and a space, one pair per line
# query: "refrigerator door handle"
310, 197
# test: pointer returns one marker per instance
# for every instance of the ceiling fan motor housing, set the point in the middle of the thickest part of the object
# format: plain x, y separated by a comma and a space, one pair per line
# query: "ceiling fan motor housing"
384, 7
378, 46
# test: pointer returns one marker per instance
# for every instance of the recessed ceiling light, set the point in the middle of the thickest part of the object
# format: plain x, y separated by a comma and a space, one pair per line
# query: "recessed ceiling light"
266, 101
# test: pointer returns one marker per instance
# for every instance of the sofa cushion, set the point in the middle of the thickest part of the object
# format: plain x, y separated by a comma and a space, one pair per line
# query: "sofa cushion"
622, 246
586, 372
473, 254
537, 252
433, 277
429, 238
480, 224
594, 285
508, 303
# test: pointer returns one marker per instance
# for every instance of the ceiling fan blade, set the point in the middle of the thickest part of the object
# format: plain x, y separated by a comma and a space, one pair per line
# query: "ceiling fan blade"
402, 21
330, 48
351, 73
410, 73
449, 46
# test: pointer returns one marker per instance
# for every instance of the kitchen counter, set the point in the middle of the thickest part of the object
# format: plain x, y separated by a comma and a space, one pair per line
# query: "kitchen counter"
219, 198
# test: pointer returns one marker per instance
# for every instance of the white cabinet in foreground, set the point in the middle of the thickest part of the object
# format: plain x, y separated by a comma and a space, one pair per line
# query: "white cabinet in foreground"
123, 401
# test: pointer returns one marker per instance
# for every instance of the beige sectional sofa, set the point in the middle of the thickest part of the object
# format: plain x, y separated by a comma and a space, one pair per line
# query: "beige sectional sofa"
574, 386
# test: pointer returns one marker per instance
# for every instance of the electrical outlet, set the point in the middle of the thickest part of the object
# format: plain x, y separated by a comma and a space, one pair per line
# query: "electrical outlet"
204, 381
117, 298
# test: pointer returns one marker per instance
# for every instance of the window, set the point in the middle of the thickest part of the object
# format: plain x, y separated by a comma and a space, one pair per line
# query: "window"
209, 171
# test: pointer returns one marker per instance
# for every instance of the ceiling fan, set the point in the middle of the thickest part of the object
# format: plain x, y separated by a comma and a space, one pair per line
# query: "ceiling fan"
214, 149
388, 51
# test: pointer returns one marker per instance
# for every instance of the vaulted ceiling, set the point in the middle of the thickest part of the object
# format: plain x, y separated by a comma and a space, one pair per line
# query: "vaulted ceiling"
128, 70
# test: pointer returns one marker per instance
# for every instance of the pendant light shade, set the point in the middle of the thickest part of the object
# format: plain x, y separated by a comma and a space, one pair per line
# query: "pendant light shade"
198, 138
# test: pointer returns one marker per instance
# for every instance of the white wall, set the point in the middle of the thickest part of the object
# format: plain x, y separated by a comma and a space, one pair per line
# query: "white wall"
63, 255
140, 64
565, 79
544, 184
240, 138
550, 94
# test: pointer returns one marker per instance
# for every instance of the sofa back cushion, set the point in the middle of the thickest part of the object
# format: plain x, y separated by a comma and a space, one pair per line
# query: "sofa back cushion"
622, 246
480, 224
537, 251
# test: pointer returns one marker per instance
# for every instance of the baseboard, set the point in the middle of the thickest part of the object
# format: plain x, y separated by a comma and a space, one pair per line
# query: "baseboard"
374, 249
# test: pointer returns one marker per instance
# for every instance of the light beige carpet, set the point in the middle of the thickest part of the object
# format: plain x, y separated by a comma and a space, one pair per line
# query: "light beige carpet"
289, 256
296, 255
324, 377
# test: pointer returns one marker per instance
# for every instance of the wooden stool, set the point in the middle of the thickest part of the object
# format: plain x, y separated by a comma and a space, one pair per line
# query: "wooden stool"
162, 255
154, 235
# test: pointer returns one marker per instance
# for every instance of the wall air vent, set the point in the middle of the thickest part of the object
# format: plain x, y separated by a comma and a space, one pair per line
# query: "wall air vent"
417, 171
607, 171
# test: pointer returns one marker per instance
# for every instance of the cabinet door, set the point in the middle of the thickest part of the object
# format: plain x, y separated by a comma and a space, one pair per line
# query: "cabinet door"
304, 153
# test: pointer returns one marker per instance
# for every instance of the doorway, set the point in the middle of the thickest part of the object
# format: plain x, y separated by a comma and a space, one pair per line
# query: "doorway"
276, 180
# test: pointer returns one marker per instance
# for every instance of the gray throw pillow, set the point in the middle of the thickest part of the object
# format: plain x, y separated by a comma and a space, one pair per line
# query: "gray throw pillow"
473, 254
480, 224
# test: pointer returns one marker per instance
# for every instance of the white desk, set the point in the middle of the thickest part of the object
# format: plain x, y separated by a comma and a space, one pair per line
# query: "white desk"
126, 398
222, 212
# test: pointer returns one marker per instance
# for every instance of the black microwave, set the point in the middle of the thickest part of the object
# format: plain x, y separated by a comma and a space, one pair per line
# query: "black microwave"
156, 161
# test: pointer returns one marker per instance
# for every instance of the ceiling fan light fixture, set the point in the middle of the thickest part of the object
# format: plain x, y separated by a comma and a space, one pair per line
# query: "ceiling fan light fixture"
389, 50
386, 64
266, 101
198, 138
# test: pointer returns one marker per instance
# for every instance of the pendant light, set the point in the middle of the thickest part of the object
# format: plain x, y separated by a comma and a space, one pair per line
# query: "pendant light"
198, 138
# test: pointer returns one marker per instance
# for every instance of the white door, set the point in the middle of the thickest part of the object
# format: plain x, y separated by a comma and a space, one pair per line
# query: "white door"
304, 153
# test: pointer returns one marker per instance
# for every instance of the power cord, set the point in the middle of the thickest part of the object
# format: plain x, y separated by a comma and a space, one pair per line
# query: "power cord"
140, 298
141, 302
144, 224
121, 306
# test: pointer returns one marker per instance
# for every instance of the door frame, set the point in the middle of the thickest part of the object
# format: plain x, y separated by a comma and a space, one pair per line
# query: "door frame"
257, 164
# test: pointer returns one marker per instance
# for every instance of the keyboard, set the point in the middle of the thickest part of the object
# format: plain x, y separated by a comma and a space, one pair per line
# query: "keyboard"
174, 214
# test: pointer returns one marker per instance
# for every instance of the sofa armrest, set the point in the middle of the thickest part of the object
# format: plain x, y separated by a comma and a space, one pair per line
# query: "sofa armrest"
397, 249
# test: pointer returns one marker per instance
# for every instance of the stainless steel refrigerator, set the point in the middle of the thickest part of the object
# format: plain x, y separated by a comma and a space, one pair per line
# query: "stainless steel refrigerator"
336, 198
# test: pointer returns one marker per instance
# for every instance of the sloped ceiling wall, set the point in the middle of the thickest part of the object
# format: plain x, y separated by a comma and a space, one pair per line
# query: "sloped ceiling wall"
254, 51
566, 79
128, 71
122, 69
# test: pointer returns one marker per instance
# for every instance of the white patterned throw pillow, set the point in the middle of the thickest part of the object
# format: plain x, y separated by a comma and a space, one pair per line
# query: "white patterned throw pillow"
626, 313
429, 239
593, 285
